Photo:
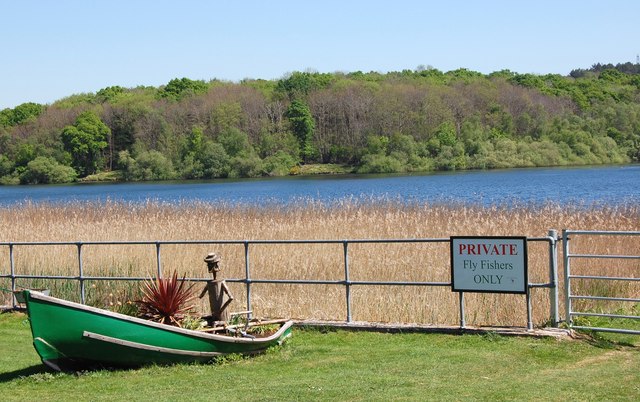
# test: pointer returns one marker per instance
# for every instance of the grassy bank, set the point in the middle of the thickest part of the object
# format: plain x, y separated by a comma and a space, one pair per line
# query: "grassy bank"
346, 220
332, 365
298, 170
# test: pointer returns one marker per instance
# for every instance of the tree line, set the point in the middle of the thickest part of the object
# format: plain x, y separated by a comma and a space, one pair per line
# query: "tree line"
404, 121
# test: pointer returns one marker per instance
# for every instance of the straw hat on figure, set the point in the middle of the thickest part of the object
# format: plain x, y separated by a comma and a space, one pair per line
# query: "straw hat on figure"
219, 295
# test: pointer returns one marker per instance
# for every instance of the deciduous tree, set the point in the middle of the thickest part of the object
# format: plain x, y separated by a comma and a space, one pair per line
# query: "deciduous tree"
85, 141
302, 126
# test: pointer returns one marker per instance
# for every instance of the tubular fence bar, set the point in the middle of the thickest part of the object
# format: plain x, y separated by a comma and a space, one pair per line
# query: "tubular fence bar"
461, 303
569, 297
529, 307
80, 273
347, 283
248, 279
12, 272
158, 259
567, 282
553, 276
247, 275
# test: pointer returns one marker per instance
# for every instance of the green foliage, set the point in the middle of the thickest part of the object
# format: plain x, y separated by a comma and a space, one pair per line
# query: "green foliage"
74, 101
20, 114
127, 165
612, 75
235, 142
378, 163
85, 141
451, 158
302, 126
192, 322
243, 160
208, 162
153, 165
226, 115
279, 164
409, 120
25, 153
178, 88
149, 165
193, 142
109, 94
6, 165
430, 72
299, 84
10, 179
273, 143
446, 134
324, 168
377, 144
7, 171
122, 121
464, 74
214, 159
246, 165
45, 170
6, 115
400, 153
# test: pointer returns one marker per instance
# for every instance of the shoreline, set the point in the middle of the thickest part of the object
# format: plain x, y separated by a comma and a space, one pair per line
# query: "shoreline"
330, 170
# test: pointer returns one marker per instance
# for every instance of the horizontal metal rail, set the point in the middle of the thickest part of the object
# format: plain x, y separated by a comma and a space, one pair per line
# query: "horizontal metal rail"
248, 280
339, 282
631, 317
163, 242
606, 256
622, 299
606, 278
603, 232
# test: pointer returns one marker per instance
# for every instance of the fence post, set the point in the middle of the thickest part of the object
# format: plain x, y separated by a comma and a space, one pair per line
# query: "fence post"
158, 260
13, 275
553, 277
347, 281
529, 308
247, 274
567, 270
461, 299
81, 273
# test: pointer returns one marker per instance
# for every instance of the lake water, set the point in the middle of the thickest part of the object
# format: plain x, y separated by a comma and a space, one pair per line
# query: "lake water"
587, 186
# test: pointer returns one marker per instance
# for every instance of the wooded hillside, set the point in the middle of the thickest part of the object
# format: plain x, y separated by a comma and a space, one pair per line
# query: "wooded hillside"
413, 120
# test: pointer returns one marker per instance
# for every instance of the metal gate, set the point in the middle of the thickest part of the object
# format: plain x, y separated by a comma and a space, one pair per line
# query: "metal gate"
602, 280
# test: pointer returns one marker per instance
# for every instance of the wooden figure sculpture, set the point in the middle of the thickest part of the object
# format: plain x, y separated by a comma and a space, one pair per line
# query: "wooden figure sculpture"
219, 295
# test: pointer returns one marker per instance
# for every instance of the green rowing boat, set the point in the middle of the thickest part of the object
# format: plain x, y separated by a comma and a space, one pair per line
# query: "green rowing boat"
70, 335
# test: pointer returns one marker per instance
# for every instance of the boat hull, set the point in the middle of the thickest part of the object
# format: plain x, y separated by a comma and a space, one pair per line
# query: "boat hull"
68, 335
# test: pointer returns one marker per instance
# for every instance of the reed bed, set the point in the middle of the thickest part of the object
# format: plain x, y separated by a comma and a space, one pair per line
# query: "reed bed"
348, 219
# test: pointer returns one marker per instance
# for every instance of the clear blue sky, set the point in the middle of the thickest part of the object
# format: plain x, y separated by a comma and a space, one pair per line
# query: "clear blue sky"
55, 48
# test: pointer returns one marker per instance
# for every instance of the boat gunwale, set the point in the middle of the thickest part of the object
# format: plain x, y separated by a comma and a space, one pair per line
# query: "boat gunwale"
147, 347
140, 321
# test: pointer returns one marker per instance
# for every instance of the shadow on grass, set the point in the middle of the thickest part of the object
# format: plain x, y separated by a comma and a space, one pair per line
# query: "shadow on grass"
606, 341
43, 370
25, 372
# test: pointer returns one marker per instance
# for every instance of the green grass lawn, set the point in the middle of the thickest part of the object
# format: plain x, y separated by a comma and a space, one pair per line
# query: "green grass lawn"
346, 365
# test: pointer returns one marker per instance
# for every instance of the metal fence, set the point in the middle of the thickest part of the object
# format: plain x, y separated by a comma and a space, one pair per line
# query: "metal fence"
249, 280
602, 275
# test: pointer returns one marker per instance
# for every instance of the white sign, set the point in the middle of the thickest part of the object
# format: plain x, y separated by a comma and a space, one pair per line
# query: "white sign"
489, 264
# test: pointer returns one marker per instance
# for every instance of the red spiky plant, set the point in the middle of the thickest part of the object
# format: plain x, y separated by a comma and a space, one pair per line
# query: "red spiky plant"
165, 300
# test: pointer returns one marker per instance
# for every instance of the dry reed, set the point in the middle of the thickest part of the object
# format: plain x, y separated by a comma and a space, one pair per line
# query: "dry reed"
309, 221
